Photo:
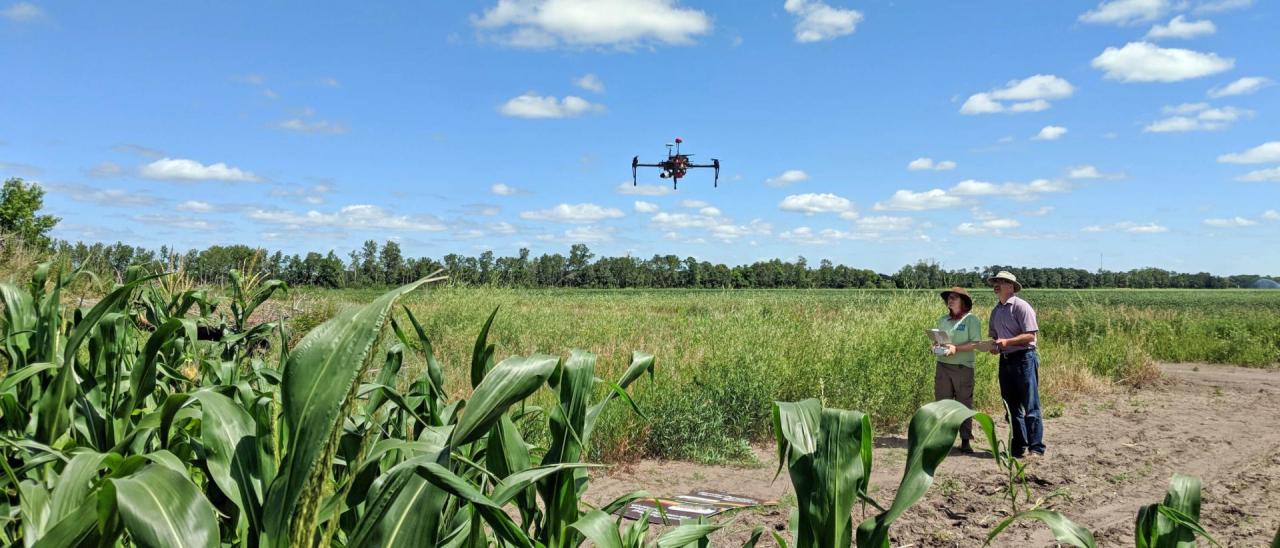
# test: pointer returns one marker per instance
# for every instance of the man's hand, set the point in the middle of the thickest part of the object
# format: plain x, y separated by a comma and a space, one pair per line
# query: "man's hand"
1001, 343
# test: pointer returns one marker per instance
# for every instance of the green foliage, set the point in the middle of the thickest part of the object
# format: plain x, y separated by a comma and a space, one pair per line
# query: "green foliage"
19, 204
135, 422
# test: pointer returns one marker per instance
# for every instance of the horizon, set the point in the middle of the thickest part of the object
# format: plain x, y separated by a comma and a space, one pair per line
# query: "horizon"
1111, 135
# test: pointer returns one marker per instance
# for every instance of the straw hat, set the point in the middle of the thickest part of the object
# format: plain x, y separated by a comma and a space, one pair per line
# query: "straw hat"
1008, 277
959, 292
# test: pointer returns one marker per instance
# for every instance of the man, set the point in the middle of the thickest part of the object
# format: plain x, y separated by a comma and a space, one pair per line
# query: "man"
1013, 326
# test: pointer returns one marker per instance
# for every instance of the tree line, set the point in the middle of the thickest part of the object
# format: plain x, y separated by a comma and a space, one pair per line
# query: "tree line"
376, 265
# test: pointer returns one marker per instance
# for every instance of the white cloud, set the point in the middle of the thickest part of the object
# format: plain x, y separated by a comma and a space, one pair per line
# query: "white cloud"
1271, 175
22, 12
1234, 222
181, 169
573, 213
693, 204
802, 235
1044, 210
106, 169
1125, 12
1271, 215
719, 227
582, 235
643, 190
1085, 172
817, 21
1128, 226
359, 216
1265, 153
1015, 191
884, 223
1031, 94
1050, 133
992, 227
1215, 6
590, 82
503, 189
906, 200
1243, 86
709, 211
313, 126
532, 105
503, 227
922, 164
313, 194
196, 206
646, 207
788, 178
1147, 62
178, 221
622, 24
1205, 119
1179, 27
812, 203
113, 197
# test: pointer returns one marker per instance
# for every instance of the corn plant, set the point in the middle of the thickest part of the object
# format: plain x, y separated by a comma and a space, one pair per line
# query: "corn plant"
128, 423
828, 456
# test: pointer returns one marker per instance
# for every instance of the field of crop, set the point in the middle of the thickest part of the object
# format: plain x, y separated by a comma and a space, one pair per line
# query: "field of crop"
723, 358
160, 414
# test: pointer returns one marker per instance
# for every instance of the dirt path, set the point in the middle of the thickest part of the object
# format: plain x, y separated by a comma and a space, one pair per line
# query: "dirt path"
1112, 455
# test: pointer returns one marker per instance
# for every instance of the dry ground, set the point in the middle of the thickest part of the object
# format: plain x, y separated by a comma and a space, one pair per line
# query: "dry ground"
1112, 455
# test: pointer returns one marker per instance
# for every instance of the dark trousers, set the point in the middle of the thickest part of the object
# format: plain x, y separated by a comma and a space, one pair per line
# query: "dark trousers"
955, 382
1020, 389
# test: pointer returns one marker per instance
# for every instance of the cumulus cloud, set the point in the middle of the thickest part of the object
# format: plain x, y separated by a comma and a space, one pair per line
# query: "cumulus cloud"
313, 126
1050, 133
503, 189
1125, 12
590, 82
906, 200
1215, 6
573, 213
622, 24
195, 206
812, 203
589, 234
787, 178
1233, 222
927, 164
532, 105
693, 204
717, 225
646, 207
1147, 62
1091, 172
1179, 27
993, 227
113, 197
1271, 175
817, 21
1243, 86
1031, 94
1271, 215
1128, 226
181, 169
356, 217
1265, 153
22, 12
642, 190
1196, 117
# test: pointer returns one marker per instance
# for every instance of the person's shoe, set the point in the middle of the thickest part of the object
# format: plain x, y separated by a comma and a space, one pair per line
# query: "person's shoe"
1035, 456
965, 447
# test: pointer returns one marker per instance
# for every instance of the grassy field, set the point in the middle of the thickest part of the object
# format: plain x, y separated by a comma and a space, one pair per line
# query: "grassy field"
724, 357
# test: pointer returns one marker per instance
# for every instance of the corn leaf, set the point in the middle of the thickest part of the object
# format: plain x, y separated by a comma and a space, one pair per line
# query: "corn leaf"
161, 508
1064, 530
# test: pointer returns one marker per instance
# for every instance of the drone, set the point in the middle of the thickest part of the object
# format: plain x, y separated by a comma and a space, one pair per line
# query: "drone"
675, 166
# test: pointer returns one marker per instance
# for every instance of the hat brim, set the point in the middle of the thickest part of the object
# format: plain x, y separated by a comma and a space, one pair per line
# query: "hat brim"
1016, 286
967, 299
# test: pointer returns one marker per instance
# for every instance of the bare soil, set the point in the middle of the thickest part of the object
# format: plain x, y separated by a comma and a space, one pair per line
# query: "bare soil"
1111, 455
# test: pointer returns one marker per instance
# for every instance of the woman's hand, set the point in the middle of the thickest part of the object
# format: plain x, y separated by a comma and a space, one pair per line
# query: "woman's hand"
950, 350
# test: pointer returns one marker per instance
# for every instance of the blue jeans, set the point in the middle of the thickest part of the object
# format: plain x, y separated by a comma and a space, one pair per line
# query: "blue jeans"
1020, 389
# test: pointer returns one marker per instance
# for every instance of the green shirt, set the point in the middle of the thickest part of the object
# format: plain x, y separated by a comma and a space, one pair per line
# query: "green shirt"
964, 330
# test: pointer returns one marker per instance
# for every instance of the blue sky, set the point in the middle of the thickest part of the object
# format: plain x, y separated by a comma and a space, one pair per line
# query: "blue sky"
1125, 133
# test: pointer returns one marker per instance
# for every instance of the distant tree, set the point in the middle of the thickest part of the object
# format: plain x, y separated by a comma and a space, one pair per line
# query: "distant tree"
19, 203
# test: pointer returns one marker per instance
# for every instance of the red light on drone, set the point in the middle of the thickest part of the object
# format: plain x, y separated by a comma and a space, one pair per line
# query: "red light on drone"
679, 140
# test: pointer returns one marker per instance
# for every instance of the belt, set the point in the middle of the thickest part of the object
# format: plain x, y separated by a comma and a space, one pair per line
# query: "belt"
1017, 353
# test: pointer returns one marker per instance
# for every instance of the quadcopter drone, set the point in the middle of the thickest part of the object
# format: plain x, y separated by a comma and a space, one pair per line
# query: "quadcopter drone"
675, 166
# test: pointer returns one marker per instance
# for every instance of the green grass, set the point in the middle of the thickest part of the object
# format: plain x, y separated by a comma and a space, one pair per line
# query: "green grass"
724, 356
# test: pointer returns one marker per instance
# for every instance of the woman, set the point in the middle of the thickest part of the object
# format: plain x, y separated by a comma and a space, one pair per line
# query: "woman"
953, 379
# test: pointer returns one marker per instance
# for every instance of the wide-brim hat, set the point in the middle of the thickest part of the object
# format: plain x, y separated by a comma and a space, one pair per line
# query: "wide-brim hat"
1008, 277
959, 292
